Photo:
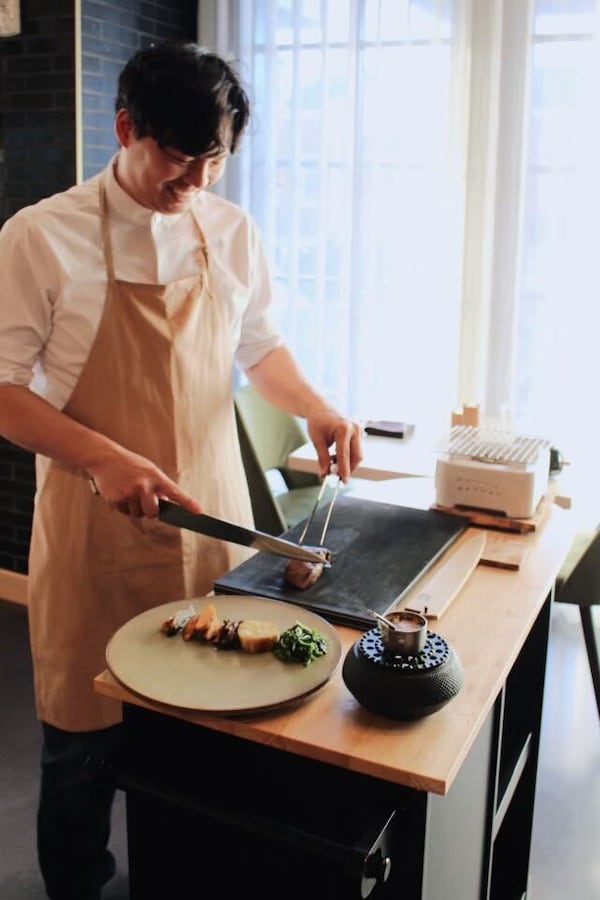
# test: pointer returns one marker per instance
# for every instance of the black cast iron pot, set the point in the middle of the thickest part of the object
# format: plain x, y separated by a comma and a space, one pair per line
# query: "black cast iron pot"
400, 686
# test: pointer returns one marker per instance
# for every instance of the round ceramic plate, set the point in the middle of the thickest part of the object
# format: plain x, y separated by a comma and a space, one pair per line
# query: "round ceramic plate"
198, 676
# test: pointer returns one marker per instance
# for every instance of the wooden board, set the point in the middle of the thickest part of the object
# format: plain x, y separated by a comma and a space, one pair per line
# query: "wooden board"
435, 591
505, 551
501, 523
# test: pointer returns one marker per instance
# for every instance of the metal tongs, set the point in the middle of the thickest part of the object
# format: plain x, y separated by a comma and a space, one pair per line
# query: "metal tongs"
333, 471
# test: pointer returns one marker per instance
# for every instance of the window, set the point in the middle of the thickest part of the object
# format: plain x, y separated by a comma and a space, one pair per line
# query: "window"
557, 362
426, 177
352, 173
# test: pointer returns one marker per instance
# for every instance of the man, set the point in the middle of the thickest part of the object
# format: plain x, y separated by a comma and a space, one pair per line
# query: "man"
126, 301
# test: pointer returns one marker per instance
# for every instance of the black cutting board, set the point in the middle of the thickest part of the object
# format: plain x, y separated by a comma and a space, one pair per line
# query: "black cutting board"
379, 551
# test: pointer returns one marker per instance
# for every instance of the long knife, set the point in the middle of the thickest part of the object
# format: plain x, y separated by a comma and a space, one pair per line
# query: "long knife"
173, 514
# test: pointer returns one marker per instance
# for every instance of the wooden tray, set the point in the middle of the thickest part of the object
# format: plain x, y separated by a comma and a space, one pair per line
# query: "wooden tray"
499, 522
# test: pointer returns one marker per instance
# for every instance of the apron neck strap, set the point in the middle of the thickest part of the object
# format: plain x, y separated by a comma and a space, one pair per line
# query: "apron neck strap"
105, 230
203, 244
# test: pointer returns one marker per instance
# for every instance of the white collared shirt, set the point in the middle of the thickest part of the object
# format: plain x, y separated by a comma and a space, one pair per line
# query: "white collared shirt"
53, 277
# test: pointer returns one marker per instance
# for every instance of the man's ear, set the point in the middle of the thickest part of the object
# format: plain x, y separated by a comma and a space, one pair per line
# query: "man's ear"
124, 128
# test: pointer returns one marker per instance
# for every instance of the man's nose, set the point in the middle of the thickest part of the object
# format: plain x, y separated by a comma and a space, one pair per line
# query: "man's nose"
198, 173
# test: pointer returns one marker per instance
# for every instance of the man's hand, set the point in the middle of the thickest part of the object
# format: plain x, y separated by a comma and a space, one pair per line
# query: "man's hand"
326, 428
133, 485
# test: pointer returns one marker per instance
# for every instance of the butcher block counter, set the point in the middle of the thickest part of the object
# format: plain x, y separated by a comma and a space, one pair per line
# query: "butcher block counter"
435, 808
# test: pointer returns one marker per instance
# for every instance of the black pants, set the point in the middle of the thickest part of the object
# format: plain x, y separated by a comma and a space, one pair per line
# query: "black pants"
74, 812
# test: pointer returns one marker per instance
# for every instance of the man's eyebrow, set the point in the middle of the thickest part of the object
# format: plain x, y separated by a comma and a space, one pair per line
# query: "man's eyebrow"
218, 151
186, 159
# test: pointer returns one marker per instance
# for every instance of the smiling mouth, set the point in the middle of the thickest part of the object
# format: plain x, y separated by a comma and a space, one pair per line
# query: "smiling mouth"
180, 193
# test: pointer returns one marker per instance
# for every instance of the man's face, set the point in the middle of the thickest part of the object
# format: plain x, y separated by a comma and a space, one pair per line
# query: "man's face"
163, 179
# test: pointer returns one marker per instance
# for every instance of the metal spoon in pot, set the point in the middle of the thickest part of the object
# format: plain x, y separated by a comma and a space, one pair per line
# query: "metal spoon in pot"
381, 618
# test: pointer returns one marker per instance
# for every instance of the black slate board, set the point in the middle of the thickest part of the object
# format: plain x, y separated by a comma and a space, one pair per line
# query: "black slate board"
379, 551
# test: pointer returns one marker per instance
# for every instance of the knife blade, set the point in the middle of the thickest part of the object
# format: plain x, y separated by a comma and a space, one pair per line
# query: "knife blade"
173, 514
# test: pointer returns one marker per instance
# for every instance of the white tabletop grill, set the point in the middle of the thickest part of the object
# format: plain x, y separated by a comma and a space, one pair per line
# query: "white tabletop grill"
498, 471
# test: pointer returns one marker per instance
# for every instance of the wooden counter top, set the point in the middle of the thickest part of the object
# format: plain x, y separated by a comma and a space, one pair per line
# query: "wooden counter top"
486, 625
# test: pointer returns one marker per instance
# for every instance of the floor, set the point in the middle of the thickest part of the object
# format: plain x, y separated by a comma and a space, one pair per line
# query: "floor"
565, 863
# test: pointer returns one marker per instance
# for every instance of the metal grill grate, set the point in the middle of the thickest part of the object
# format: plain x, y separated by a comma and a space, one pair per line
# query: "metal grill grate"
435, 652
493, 445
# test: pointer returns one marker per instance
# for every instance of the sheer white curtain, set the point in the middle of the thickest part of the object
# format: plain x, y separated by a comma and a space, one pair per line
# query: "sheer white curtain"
426, 177
354, 172
557, 334
534, 356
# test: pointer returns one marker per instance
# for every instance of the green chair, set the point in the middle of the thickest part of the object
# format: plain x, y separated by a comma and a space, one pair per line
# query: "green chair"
267, 437
579, 582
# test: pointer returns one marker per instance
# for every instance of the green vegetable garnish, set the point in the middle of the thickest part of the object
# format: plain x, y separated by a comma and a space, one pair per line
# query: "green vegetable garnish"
300, 644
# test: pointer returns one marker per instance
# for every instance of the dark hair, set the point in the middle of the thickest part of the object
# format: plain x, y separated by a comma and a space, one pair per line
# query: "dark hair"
184, 97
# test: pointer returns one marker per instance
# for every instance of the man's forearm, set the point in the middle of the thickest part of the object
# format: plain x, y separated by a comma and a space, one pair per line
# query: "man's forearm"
34, 424
129, 482
280, 381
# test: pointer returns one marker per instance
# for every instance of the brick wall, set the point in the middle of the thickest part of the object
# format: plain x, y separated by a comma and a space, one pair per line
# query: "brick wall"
17, 479
37, 134
38, 147
37, 104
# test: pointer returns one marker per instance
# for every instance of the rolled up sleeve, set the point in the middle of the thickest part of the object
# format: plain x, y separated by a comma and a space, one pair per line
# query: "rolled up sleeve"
259, 335
26, 310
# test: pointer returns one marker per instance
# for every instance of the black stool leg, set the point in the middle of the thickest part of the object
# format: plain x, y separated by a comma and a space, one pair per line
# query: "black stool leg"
587, 623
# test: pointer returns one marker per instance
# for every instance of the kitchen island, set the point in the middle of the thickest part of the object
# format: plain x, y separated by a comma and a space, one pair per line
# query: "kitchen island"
327, 800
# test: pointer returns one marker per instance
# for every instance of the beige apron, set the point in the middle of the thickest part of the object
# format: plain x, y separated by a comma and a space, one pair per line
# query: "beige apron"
157, 381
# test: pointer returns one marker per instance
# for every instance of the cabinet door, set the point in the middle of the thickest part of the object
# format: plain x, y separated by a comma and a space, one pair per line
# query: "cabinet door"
458, 829
209, 813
